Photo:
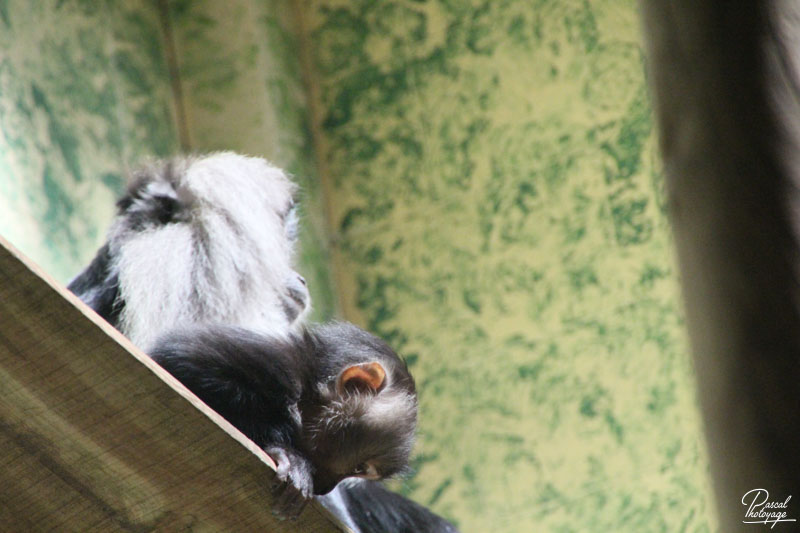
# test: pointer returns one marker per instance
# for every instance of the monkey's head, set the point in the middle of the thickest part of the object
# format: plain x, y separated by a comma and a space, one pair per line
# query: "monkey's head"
205, 239
361, 418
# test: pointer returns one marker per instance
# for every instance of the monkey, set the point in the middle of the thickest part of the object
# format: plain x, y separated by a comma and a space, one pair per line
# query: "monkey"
211, 239
328, 403
195, 240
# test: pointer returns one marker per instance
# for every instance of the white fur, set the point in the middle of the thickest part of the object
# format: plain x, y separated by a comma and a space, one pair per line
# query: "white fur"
387, 406
229, 260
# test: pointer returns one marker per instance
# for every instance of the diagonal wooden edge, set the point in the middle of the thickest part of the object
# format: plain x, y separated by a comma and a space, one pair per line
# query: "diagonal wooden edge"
95, 436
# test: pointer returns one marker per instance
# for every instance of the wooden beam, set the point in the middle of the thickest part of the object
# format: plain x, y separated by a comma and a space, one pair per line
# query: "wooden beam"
97, 437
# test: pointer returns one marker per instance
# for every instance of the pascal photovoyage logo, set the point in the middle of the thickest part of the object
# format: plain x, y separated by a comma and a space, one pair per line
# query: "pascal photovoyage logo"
761, 510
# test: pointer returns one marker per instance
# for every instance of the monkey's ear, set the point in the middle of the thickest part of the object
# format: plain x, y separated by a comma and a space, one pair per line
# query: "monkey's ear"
364, 377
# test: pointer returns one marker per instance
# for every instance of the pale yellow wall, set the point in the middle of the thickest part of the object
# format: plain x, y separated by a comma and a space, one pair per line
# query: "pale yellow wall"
498, 216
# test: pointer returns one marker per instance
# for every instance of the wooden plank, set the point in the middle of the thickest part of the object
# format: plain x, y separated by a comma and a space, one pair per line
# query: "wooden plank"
97, 437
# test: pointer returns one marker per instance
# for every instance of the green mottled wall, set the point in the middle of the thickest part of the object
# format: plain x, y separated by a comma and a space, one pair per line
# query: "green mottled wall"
84, 94
493, 204
499, 218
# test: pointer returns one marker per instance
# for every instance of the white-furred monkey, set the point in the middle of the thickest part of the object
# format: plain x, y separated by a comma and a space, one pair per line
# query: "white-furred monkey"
210, 240
198, 240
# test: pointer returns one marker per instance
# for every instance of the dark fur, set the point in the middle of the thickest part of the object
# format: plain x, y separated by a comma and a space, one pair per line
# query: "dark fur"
282, 395
98, 287
373, 508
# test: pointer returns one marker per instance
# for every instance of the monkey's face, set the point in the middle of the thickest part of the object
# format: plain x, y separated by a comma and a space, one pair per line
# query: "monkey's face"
359, 450
362, 427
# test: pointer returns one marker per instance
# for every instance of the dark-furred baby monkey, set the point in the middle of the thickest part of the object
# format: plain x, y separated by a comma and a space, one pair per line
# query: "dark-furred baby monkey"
330, 403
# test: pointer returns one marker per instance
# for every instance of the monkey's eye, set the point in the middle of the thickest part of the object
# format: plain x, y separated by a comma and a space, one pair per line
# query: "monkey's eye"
366, 470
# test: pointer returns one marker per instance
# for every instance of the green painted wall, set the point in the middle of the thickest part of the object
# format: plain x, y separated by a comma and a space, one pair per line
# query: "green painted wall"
84, 94
481, 175
499, 218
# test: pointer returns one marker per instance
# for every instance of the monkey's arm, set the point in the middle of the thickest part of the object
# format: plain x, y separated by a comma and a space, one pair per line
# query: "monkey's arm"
295, 471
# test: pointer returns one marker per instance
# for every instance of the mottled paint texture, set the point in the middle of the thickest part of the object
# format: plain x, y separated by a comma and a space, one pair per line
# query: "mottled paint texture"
83, 96
500, 220
494, 211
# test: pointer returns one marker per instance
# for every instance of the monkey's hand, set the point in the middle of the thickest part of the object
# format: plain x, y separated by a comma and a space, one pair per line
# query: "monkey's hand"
296, 487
